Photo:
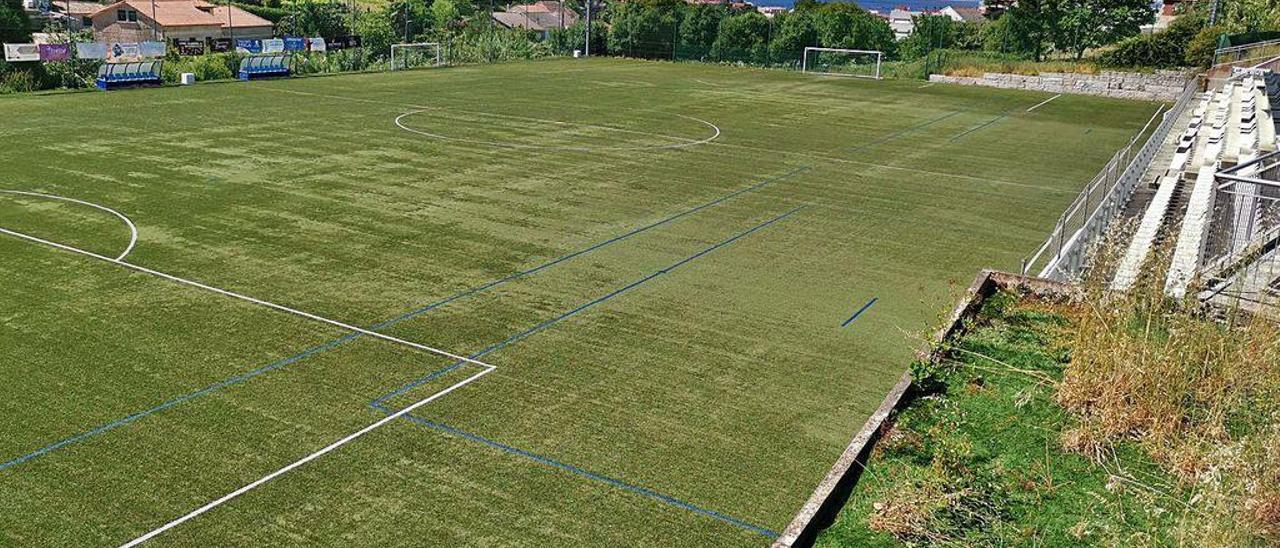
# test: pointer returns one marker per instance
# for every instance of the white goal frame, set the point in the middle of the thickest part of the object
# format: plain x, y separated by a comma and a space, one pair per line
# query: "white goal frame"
415, 45
804, 62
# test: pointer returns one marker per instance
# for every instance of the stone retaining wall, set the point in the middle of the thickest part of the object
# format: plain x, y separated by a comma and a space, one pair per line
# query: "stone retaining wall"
1163, 85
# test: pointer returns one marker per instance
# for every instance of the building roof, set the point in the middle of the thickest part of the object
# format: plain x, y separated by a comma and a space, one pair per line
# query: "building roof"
239, 18
188, 13
539, 18
970, 15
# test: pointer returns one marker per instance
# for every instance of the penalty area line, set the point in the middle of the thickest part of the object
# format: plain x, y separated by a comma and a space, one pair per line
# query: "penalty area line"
245, 298
304, 460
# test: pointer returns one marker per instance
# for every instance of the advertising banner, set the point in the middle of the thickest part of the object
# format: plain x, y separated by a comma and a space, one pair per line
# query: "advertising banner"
189, 47
343, 42
316, 44
14, 53
91, 50
220, 45
54, 52
272, 45
249, 46
124, 52
151, 49
295, 44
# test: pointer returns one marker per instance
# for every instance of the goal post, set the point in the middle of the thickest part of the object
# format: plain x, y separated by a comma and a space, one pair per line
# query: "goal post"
859, 63
417, 55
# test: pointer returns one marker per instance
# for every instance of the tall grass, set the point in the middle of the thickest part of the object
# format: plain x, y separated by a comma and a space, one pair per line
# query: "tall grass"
1197, 389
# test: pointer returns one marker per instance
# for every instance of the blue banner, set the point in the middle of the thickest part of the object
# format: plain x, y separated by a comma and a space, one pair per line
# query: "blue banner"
295, 44
249, 46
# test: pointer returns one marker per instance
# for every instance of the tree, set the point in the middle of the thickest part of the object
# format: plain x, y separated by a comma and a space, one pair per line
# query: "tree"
1250, 15
969, 35
1013, 33
700, 25
845, 25
376, 32
445, 13
643, 29
410, 19
1084, 24
930, 32
14, 25
743, 37
315, 19
792, 33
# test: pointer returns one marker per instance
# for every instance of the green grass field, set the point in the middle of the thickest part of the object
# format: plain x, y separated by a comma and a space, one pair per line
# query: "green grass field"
658, 259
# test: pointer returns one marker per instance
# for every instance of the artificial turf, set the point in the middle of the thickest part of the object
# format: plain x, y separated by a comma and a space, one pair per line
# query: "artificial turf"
676, 246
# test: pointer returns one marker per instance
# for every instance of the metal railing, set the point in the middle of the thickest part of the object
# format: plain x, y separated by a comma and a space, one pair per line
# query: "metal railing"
1063, 254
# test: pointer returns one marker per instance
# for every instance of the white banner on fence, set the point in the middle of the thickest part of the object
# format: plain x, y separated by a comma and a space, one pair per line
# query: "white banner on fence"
151, 49
317, 44
21, 52
91, 50
273, 45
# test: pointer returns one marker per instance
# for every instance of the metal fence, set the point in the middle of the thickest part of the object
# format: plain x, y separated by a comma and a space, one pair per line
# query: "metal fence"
1063, 254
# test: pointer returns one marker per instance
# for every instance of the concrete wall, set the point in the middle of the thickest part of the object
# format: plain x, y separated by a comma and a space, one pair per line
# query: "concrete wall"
829, 497
1163, 85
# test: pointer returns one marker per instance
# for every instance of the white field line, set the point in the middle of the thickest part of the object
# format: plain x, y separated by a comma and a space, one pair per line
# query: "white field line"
1044, 102
133, 230
930, 84
247, 298
313, 456
688, 142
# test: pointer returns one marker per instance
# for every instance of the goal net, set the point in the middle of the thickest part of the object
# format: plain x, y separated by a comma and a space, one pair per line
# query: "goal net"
842, 62
412, 56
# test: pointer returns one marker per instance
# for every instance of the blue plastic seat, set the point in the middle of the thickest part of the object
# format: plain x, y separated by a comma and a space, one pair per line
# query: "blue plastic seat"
114, 75
264, 66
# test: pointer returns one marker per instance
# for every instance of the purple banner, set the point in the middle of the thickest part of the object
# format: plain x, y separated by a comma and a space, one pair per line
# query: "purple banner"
54, 52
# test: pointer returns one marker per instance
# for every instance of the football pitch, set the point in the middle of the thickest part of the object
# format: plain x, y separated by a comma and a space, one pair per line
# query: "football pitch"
563, 302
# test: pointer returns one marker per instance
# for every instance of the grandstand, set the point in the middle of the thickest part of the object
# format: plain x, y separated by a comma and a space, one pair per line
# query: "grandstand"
1215, 191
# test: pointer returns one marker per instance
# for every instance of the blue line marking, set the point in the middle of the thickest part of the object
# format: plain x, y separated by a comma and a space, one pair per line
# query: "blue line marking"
352, 336
377, 403
976, 128
644, 491
899, 133
859, 312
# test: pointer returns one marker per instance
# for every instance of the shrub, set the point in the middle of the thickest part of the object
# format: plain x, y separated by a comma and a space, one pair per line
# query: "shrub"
18, 81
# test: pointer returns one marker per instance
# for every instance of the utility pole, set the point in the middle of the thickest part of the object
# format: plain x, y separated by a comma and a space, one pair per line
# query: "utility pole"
588, 44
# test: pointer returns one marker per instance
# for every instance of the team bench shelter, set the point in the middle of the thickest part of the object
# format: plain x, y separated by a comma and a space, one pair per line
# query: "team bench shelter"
264, 66
116, 75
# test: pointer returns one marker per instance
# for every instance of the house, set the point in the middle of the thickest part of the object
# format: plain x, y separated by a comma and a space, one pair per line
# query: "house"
130, 21
900, 20
771, 11
540, 17
962, 14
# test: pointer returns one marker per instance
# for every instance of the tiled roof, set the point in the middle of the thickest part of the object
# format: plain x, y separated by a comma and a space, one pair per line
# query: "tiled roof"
188, 13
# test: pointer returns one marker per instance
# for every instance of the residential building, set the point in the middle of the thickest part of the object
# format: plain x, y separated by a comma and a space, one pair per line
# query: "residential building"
541, 17
770, 11
140, 20
962, 14
900, 20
